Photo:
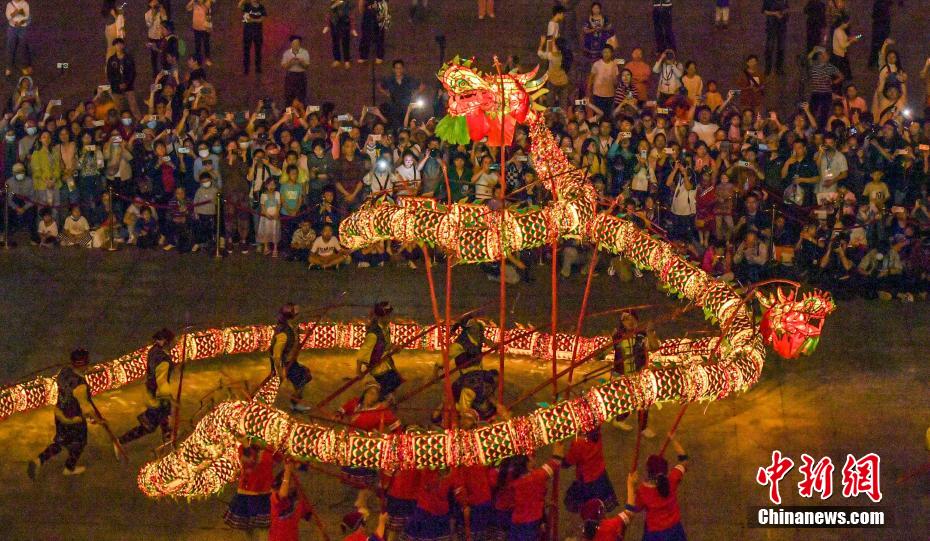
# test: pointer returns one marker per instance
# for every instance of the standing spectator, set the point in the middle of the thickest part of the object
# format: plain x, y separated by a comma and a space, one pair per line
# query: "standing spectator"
598, 31
751, 85
662, 25
776, 27
45, 166
881, 29
339, 25
833, 169
121, 74
815, 14
750, 258
236, 188
722, 14
376, 18
559, 58
485, 7
554, 27
254, 14
602, 82
641, 72
17, 34
841, 43
115, 25
269, 225
202, 23
205, 211
177, 232
155, 18
823, 77
670, 72
400, 89
295, 62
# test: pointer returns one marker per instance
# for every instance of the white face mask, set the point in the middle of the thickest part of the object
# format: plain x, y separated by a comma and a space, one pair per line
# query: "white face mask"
20, 176
203, 153
244, 145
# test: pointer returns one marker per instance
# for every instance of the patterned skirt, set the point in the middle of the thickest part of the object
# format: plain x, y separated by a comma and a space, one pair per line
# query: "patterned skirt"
249, 512
579, 493
424, 526
399, 512
360, 477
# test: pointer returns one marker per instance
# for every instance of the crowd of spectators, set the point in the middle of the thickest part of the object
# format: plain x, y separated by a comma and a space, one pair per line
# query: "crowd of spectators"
833, 193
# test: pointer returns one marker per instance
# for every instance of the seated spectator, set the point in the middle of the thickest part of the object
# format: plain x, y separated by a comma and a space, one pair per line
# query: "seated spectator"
76, 230
48, 229
326, 252
145, 231
301, 242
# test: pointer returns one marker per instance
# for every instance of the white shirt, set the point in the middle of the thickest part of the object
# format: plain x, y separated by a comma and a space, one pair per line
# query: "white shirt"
153, 20
48, 230
14, 18
325, 248
484, 185
552, 30
379, 183
302, 55
76, 227
17, 19
831, 165
669, 76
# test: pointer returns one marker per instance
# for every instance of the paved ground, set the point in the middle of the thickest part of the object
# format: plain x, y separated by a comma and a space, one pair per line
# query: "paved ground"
864, 390
73, 32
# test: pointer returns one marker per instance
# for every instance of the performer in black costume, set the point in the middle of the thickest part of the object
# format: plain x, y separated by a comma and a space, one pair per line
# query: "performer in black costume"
159, 390
375, 353
285, 347
72, 410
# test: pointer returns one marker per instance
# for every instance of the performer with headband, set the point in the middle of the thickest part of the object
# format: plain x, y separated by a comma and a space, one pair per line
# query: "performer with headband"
72, 409
631, 354
375, 353
159, 390
285, 347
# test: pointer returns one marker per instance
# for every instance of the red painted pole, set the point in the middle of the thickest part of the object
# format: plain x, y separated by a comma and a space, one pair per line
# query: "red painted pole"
671, 431
584, 299
502, 314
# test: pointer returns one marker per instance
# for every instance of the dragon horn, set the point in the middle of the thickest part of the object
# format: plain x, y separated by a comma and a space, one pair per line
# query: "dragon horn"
763, 300
780, 295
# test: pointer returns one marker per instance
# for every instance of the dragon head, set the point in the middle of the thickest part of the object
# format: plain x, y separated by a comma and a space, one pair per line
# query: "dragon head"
792, 326
477, 100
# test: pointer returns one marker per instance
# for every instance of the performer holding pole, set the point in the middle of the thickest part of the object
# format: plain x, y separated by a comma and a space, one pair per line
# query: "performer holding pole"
72, 411
374, 355
658, 496
631, 354
284, 351
158, 390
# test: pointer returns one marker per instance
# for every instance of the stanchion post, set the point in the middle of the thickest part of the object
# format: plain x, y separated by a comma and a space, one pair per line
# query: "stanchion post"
6, 215
219, 204
772, 236
111, 220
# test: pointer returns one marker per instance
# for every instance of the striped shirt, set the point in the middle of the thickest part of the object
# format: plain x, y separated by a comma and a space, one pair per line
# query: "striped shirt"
821, 78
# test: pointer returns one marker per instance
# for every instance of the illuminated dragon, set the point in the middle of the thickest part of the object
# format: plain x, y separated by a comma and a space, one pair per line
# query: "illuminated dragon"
681, 370
477, 101
792, 327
